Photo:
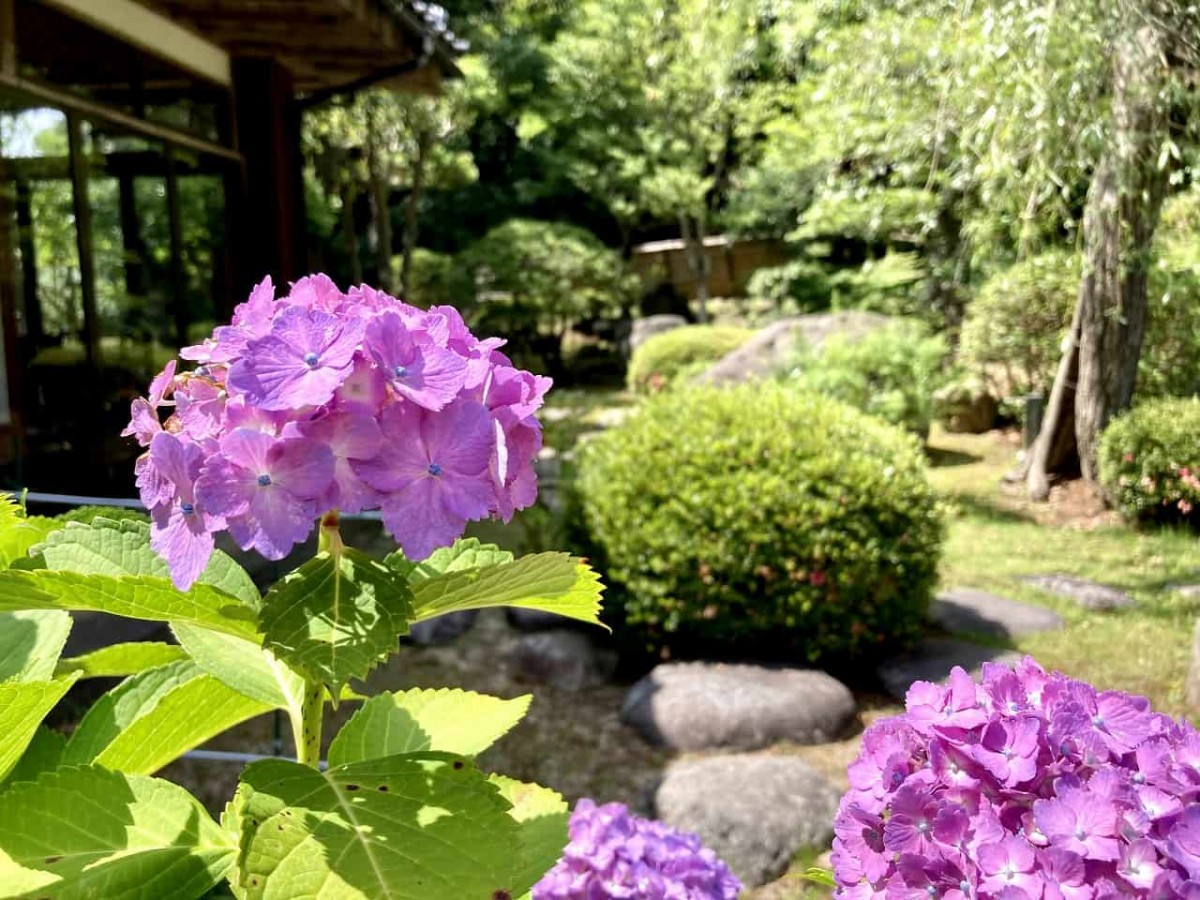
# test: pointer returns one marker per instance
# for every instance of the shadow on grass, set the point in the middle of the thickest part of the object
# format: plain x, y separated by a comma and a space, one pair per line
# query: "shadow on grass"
974, 506
941, 458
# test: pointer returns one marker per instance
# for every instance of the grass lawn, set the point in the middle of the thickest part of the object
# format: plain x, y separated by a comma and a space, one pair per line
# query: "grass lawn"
994, 536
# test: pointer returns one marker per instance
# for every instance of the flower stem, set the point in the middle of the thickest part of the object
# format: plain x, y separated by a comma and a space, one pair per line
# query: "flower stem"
308, 741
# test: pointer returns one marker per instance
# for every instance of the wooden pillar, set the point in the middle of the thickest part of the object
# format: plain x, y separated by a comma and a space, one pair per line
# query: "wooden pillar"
10, 403
271, 225
132, 246
84, 238
8, 37
32, 307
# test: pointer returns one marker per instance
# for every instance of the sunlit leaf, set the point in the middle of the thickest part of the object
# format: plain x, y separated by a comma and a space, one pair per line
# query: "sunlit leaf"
120, 660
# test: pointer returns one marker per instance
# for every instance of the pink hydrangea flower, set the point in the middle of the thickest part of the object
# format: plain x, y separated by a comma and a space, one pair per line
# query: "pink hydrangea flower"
1026, 785
326, 400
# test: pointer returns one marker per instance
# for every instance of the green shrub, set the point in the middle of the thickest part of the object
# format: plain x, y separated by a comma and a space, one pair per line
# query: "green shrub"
800, 286
890, 285
1013, 333
891, 372
672, 356
761, 515
1150, 462
1014, 327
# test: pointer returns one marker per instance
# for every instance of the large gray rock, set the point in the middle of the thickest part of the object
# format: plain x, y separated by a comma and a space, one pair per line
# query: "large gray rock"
775, 347
966, 610
755, 812
647, 327
703, 706
933, 660
1193, 681
562, 658
1088, 594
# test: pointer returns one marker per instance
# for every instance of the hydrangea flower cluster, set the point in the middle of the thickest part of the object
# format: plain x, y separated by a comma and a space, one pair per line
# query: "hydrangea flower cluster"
1025, 786
325, 400
617, 856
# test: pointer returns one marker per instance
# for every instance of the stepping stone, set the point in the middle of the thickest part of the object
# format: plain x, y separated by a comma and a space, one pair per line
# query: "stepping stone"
934, 659
978, 612
755, 812
706, 706
1193, 681
565, 659
1088, 594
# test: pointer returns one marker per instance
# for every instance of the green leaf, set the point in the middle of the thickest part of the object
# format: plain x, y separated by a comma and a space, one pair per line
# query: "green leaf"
421, 827
120, 660
30, 643
108, 547
23, 705
84, 833
465, 553
336, 616
43, 754
449, 720
553, 582
243, 665
19, 534
135, 597
543, 816
153, 718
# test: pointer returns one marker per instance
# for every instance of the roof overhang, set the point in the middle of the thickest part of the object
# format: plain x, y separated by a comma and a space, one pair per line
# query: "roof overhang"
324, 43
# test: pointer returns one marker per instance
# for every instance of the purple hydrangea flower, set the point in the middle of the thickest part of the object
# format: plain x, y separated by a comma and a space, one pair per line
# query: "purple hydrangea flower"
1027, 785
613, 854
324, 400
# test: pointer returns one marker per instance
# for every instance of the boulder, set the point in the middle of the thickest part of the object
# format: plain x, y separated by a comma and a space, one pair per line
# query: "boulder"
755, 812
444, 629
561, 658
1088, 594
774, 348
704, 706
933, 660
966, 610
966, 408
647, 327
1193, 681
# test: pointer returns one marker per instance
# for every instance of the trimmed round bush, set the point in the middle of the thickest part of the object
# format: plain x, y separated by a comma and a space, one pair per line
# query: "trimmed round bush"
670, 357
761, 517
1150, 462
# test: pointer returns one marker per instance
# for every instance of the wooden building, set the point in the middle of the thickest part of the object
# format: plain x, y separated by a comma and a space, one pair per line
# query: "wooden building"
731, 262
150, 173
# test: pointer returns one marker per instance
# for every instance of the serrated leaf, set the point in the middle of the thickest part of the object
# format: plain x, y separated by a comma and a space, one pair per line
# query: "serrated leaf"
121, 660
553, 582
135, 597
449, 720
543, 817
420, 827
43, 754
243, 665
18, 536
465, 553
336, 616
23, 705
31, 642
84, 833
153, 718
108, 547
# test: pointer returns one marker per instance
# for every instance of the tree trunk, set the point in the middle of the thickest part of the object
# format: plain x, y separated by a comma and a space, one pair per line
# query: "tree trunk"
692, 232
379, 206
1098, 371
350, 235
412, 207
1123, 208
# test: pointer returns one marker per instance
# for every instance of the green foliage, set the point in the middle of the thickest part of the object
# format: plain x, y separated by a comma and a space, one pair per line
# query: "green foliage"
436, 278
890, 372
1150, 461
530, 275
890, 285
800, 286
141, 838
400, 809
1012, 336
763, 515
897, 215
669, 358
87, 514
